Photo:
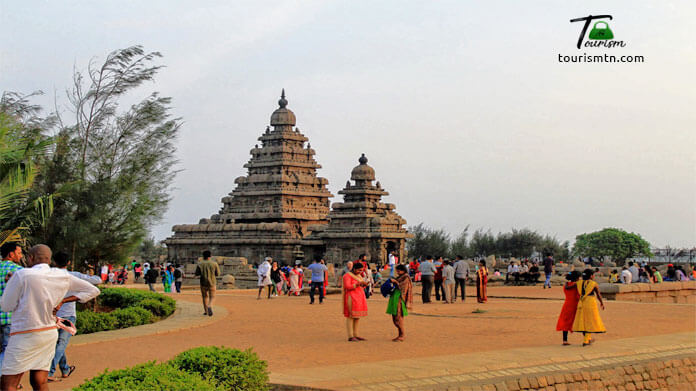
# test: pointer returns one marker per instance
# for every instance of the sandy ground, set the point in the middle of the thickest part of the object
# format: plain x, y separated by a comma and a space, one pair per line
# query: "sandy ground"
289, 333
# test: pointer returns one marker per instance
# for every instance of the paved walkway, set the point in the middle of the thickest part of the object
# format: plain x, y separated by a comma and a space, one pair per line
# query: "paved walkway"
187, 315
443, 341
468, 370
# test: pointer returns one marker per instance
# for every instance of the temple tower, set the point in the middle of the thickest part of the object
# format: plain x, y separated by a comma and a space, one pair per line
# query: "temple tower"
282, 183
362, 223
271, 208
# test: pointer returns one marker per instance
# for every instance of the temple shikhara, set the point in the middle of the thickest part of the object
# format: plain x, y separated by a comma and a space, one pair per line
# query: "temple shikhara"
281, 209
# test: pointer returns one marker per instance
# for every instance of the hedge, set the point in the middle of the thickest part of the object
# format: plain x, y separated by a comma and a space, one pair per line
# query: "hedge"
133, 308
203, 368
150, 377
231, 369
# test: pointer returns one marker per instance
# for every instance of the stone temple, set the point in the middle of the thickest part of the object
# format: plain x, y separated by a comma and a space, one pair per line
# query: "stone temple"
281, 209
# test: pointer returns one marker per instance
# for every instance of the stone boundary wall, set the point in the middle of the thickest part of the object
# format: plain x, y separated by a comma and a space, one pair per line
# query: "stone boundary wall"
674, 374
655, 375
683, 292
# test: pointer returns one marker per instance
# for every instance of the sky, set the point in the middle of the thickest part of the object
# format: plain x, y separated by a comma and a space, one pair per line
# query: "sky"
462, 107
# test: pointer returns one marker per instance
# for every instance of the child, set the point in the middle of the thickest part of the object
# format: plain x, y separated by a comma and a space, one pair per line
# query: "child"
614, 276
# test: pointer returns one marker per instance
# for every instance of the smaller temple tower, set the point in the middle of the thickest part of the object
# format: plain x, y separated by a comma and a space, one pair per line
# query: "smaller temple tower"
362, 223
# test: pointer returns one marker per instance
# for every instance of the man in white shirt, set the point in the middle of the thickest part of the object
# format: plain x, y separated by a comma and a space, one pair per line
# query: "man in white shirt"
392, 264
67, 311
626, 276
33, 295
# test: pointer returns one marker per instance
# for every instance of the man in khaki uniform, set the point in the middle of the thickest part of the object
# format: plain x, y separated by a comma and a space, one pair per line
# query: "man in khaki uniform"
208, 270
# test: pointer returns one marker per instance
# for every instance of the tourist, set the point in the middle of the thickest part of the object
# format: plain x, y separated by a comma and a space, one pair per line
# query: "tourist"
570, 306
151, 278
391, 259
367, 276
105, 273
587, 318
67, 311
354, 301
346, 269
461, 273
112, 277
448, 282
264, 274
400, 300
656, 275
437, 279
178, 277
413, 268
496, 272
548, 270
168, 278
276, 279
643, 275
635, 275
533, 275
295, 275
626, 276
481, 282
671, 274
11, 258
427, 271
137, 272
300, 270
524, 271
614, 276
317, 280
146, 268
514, 270
33, 295
208, 270
681, 276
326, 276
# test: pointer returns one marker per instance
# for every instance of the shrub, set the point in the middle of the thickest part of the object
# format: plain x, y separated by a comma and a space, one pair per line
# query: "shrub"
132, 308
157, 307
132, 316
91, 322
123, 297
231, 369
150, 377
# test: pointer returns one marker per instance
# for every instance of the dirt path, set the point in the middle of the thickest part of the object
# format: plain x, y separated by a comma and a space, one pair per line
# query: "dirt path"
289, 333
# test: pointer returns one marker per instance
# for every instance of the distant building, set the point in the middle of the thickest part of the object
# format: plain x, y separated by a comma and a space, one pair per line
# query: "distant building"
281, 209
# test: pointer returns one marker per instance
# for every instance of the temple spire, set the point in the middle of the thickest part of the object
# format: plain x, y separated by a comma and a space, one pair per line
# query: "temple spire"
282, 102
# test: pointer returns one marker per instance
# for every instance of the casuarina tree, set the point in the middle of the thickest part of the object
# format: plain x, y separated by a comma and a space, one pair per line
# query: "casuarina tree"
118, 162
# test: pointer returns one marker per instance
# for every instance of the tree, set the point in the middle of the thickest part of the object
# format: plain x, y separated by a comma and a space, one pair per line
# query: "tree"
460, 245
22, 149
150, 250
611, 242
427, 241
118, 164
482, 243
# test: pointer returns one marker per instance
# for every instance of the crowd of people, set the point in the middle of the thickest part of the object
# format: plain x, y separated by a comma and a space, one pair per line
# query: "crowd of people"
632, 273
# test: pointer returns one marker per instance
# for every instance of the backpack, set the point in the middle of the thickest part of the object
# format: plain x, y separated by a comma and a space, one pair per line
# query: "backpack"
388, 288
177, 273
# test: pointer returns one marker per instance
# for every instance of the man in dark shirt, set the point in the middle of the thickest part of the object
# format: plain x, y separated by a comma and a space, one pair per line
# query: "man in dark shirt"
439, 264
548, 269
151, 277
208, 270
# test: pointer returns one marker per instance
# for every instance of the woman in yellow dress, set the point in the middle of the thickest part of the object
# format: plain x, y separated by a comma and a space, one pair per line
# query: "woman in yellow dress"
587, 320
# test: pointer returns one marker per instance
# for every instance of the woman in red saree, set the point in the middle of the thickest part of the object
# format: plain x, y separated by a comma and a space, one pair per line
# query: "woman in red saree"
570, 306
354, 302
481, 282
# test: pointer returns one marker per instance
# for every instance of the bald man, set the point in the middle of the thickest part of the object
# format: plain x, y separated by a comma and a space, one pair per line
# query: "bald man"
33, 295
